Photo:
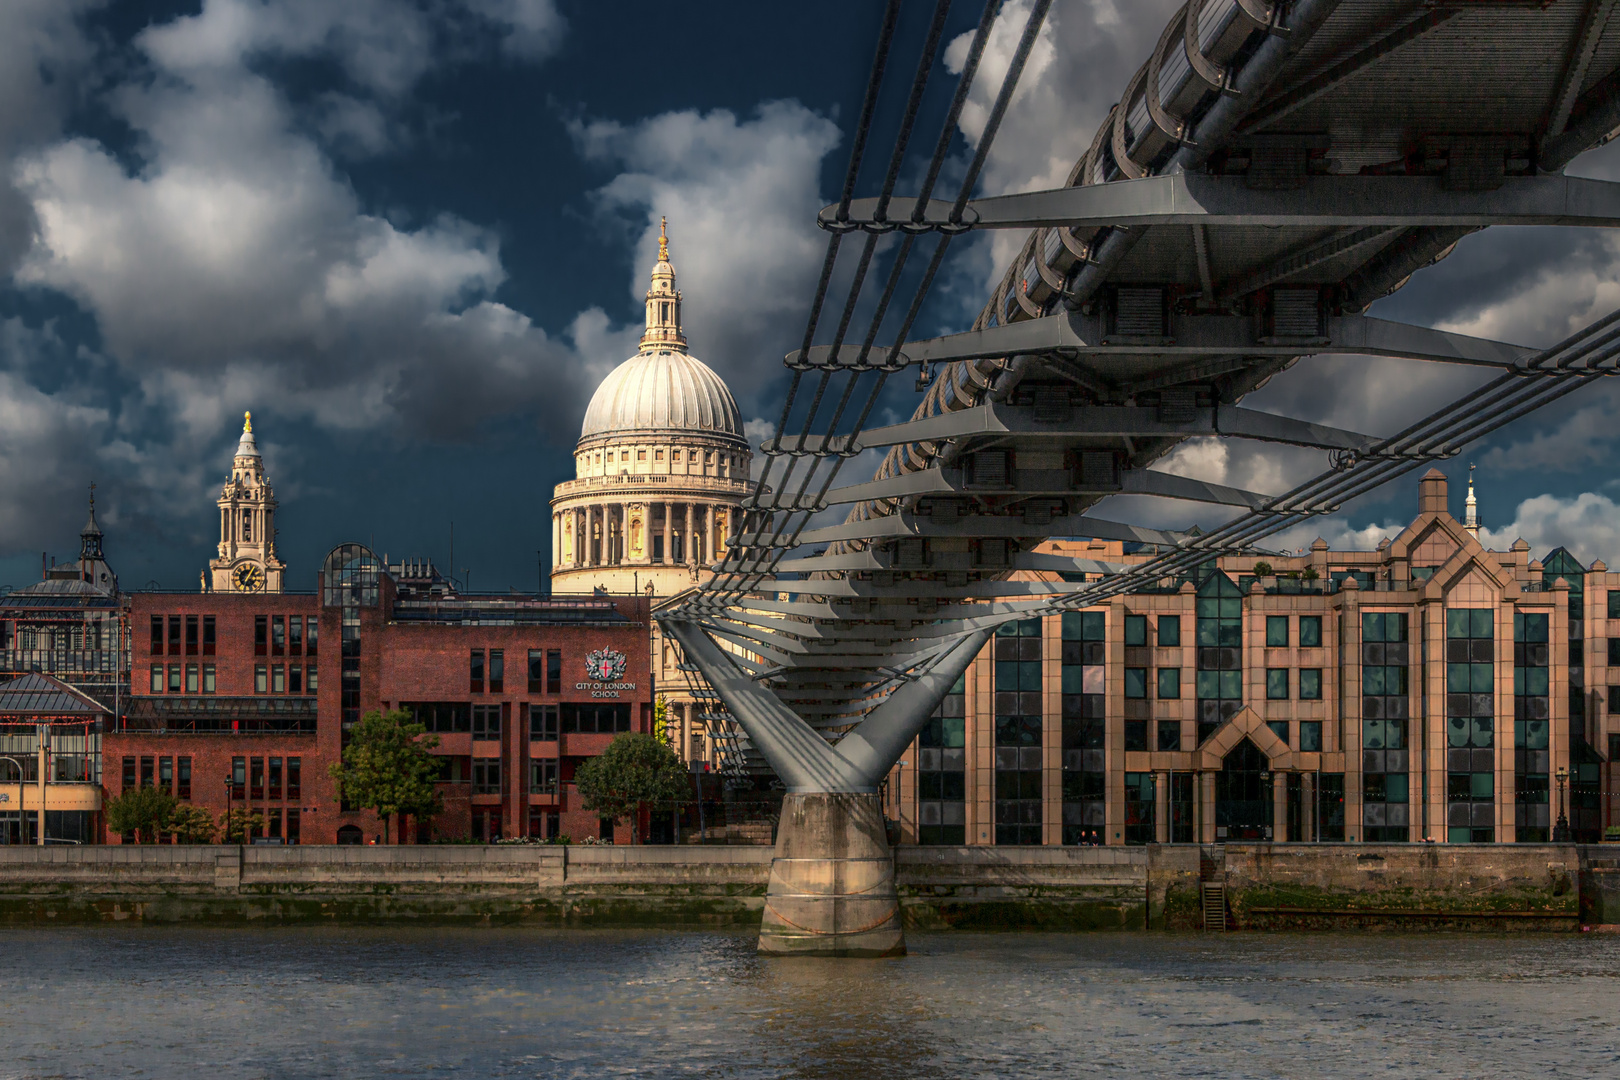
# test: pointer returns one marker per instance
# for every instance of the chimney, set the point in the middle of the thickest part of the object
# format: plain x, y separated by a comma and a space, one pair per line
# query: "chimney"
1432, 493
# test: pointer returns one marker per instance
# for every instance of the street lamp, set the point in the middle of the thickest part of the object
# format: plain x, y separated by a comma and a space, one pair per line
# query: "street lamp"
230, 787
1561, 830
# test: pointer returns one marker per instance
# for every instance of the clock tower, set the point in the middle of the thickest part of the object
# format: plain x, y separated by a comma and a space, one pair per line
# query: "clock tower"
247, 525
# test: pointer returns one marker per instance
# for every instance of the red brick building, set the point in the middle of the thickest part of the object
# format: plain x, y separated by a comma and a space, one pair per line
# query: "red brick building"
243, 697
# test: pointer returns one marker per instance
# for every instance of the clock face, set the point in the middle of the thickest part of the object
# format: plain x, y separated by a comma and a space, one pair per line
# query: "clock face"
249, 578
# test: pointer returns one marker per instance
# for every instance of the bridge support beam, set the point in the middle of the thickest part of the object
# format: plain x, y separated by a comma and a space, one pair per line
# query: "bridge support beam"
831, 890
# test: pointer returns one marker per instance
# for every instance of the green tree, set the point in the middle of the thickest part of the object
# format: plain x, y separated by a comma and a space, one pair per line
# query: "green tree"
634, 771
191, 825
144, 811
387, 767
237, 824
661, 722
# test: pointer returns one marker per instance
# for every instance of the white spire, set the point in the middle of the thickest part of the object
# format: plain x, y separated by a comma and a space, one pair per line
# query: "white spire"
663, 333
1471, 513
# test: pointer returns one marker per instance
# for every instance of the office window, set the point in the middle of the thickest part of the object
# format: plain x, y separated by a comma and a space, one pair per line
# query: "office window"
1277, 683
238, 778
278, 679
543, 775
208, 638
1614, 652
553, 671
537, 671
157, 635
475, 670
1277, 631
261, 679
1018, 719
311, 636
440, 716
166, 774
1532, 770
543, 723
1310, 684
594, 719
294, 781
1169, 683
486, 776
1219, 636
1139, 808
1136, 682
191, 635
272, 825
1136, 630
1310, 631
941, 771
174, 678
312, 681
174, 635
275, 778
157, 678
295, 635
497, 671
278, 635
1614, 603
256, 779
182, 788
208, 678
295, 679
1084, 653
191, 679
1279, 728
129, 777
486, 721
293, 823
1169, 630
261, 635
1470, 725
1310, 735
1385, 711
1169, 734
147, 768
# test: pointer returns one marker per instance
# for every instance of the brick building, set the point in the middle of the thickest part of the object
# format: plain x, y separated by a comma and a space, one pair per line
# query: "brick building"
1426, 689
243, 697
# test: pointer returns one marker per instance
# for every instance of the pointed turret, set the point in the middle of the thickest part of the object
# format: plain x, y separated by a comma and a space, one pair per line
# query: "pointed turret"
90, 535
663, 302
1471, 508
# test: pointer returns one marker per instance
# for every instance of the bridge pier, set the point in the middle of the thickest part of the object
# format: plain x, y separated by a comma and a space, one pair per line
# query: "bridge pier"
831, 890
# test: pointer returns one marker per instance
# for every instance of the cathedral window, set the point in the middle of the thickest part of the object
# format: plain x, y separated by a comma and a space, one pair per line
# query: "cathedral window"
658, 455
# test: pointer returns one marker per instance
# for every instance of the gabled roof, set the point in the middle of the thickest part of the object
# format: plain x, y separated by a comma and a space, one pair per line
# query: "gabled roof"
40, 698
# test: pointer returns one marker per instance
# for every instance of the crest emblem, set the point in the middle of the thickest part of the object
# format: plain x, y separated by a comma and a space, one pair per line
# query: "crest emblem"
605, 665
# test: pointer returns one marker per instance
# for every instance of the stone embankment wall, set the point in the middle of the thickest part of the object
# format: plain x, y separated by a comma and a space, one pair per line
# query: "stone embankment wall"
1507, 887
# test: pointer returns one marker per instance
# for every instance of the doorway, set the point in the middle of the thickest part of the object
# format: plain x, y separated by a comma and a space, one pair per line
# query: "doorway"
1243, 794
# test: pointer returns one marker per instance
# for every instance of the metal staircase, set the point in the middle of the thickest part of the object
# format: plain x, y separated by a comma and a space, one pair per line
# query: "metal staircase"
1212, 887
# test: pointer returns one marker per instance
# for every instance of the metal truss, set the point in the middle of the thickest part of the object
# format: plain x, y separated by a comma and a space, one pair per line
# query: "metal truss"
1208, 240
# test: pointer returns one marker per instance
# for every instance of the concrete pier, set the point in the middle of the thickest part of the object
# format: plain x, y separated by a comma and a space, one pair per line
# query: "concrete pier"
832, 888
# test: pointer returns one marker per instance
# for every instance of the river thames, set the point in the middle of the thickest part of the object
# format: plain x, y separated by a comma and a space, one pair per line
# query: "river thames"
357, 1002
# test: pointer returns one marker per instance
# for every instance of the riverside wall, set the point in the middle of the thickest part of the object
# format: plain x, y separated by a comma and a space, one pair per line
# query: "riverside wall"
1263, 886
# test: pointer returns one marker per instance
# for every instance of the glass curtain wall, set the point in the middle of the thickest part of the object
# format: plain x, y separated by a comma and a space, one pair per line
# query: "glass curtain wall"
1018, 732
1084, 775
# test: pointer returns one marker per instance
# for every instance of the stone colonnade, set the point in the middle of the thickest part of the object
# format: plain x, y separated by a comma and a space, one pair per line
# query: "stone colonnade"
641, 532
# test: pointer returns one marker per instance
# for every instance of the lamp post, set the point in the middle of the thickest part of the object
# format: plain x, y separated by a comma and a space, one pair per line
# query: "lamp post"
230, 788
1561, 830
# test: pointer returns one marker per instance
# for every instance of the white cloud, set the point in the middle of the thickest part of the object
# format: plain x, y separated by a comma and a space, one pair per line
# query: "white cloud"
1588, 524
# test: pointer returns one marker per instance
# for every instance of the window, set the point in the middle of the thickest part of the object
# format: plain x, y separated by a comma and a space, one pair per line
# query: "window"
146, 771
311, 682
1084, 781
261, 635
1310, 735
1169, 734
293, 824
191, 635
166, 774
1136, 682
157, 635
129, 774
1531, 718
294, 782
1277, 684
311, 637
275, 778
497, 671
174, 635
191, 678
543, 775
174, 678
1219, 636
543, 723
273, 822
1614, 651
295, 635
594, 719
1310, 684
1139, 808
475, 669
1169, 683
157, 678
1279, 728
537, 671
486, 721
1614, 603
256, 780
1310, 631
486, 779
1169, 630
238, 778
1136, 630
182, 786
209, 643
1018, 719
295, 679
278, 679
278, 636
553, 671
1614, 705
1470, 724
942, 771
261, 679
1277, 631
440, 716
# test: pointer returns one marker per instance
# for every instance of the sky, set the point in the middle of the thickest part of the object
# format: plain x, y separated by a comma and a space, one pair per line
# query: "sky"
413, 235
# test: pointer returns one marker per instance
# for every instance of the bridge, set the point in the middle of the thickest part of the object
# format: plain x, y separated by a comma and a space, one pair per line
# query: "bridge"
1272, 169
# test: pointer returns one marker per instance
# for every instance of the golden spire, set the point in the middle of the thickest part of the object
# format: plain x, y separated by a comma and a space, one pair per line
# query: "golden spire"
247, 422
663, 239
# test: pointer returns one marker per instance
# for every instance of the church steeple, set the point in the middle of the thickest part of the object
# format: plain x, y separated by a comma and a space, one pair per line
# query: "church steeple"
663, 302
1471, 507
90, 535
247, 524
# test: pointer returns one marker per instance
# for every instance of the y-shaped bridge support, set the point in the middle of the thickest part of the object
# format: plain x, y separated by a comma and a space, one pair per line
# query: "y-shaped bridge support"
832, 890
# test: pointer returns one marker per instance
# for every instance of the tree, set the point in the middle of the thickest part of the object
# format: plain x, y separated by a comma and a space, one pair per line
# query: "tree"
144, 811
634, 770
191, 825
661, 722
238, 824
387, 767
1262, 569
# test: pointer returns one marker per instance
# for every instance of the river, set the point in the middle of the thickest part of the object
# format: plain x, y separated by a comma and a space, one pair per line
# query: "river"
434, 1002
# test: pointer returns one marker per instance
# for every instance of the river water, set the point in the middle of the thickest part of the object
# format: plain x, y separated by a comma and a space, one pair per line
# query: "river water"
362, 1002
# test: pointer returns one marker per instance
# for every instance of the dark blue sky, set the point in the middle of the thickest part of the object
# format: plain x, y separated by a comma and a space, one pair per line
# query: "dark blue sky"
411, 237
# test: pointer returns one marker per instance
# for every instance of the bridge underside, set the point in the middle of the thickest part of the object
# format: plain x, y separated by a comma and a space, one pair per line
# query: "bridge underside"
1271, 171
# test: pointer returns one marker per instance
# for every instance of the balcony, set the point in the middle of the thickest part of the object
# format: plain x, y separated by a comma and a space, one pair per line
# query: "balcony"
656, 484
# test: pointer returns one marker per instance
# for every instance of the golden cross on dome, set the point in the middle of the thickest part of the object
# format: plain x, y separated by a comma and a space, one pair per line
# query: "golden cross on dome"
247, 421
663, 239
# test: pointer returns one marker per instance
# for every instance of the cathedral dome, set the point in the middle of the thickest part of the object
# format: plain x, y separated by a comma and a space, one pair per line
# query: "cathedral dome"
662, 390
